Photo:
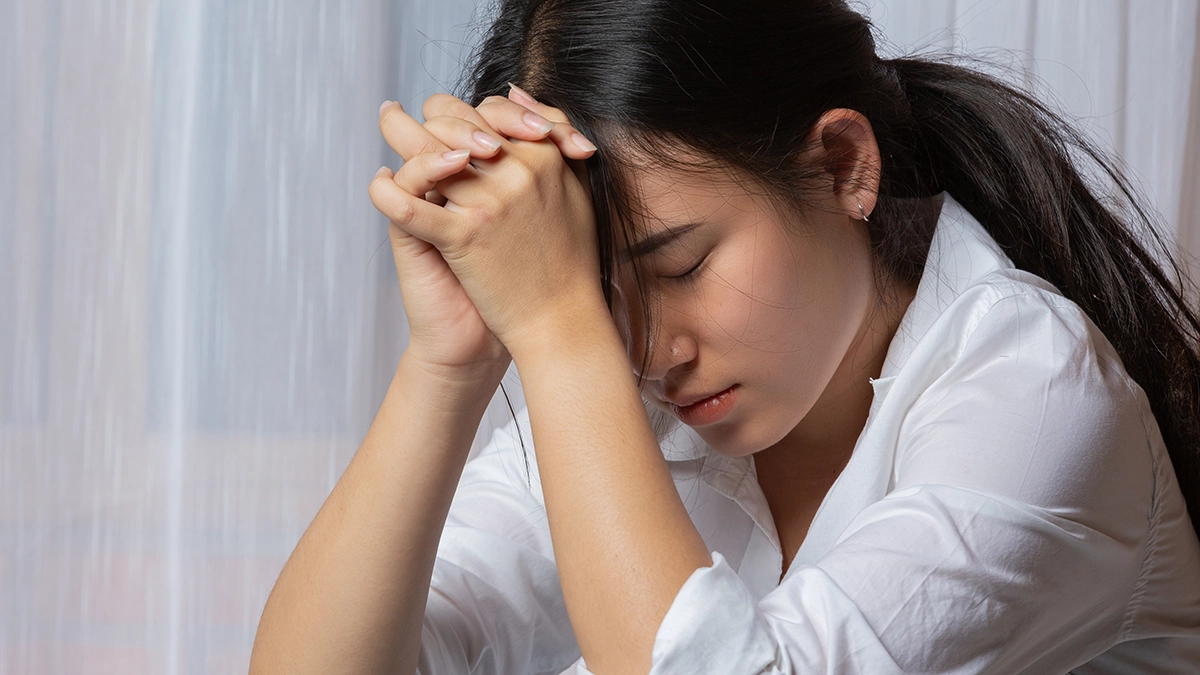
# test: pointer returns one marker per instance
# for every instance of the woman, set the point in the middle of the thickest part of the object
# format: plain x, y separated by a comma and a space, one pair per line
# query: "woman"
919, 400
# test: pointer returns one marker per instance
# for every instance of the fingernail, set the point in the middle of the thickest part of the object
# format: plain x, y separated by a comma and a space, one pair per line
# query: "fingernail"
385, 105
486, 141
537, 123
382, 170
583, 143
455, 156
521, 95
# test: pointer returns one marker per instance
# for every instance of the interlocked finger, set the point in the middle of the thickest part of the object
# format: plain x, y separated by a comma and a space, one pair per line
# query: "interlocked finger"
412, 214
458, 133
445, 105
515, 119
421, 174
524, 98
404, 134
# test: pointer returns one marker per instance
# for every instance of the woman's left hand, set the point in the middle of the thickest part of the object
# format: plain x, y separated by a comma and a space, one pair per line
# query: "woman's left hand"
517, 228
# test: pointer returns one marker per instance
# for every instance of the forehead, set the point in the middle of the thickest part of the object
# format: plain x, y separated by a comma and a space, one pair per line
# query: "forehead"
669, 195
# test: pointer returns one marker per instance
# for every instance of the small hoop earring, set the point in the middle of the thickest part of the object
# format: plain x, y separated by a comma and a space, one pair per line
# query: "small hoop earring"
864, 216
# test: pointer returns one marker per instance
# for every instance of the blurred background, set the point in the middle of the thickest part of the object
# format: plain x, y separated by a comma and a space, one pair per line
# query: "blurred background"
198, 308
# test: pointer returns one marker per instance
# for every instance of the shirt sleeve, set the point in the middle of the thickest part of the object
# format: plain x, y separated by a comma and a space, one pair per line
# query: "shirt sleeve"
1011, 542
495, 605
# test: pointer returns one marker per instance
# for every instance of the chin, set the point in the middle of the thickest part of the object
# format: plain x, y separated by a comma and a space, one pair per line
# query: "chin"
737, 441
748, 436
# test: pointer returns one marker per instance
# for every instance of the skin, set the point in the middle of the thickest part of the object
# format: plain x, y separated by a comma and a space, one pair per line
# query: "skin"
786, 308
495, 251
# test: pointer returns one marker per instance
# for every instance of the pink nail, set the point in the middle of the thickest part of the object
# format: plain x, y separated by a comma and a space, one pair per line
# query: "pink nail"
486, 141
455, 156
385, 105
583, 143
382, 170
521, 95
537, 122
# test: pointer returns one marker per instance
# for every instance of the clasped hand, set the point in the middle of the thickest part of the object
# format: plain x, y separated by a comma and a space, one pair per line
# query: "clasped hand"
492, 230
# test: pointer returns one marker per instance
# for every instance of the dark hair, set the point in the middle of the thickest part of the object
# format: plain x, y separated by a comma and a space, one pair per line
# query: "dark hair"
743, 82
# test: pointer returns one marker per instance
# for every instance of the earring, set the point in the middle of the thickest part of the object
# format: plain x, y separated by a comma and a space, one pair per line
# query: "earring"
864, 216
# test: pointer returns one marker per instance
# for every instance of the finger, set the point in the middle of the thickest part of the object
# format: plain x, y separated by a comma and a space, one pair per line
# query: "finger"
412, 214
569, 140
435, 197
565, 135
523, 98
404, 134
420, 174
440, 105
513, 120
455, 132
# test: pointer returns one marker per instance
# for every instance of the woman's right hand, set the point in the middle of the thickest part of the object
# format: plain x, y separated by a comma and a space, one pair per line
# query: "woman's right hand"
446, 332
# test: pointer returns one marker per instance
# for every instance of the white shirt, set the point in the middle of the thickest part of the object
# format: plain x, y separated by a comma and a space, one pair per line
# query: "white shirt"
1008, 508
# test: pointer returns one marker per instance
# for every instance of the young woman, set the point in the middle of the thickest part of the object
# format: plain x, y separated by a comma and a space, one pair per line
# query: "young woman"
833, 364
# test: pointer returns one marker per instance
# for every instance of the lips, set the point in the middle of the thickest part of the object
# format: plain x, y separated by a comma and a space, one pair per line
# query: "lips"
706, 408
683, 401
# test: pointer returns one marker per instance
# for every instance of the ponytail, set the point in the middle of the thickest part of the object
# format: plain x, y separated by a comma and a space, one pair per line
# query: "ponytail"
1014, 165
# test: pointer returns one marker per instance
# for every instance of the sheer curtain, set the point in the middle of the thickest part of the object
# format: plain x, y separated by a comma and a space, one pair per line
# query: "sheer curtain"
198, 308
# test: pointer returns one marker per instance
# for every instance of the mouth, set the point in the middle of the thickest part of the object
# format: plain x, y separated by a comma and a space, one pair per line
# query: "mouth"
703, 409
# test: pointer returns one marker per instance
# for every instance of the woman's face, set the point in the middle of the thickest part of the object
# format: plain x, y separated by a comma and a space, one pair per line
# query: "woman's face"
748, 303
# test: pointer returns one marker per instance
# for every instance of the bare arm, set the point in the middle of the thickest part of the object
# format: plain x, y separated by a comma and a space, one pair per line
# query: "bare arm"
623, 541
522, 243
352, 596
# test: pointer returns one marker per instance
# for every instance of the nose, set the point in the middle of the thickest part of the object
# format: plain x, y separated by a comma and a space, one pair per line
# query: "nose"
668, 350
671, 330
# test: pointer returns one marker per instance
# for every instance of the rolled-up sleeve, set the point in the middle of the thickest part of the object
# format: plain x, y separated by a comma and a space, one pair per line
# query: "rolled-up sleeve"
1011, 540
715, 626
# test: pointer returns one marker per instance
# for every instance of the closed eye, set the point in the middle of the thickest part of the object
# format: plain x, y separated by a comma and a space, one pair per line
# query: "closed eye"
691, 273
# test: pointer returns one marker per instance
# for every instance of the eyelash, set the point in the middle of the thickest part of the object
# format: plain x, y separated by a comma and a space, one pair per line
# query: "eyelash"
691, 273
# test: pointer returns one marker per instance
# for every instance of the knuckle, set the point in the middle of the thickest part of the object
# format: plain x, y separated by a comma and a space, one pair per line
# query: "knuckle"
555, 115
403, 211
426, 146
377, 189
492, 109
391, 202
458, 108
446, 123
522, 176
468, 236
373, 190
483, 215
434, 105
445, 105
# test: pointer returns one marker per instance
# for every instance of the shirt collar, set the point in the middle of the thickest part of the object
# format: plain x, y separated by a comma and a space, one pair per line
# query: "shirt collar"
960, 254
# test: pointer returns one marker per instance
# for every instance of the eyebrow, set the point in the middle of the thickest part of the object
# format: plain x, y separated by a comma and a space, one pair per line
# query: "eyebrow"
656, 241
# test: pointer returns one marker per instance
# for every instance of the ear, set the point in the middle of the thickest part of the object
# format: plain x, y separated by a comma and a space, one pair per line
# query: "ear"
845, 145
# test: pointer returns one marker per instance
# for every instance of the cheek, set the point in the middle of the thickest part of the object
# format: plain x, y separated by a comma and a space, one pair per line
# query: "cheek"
761, 301
785, 317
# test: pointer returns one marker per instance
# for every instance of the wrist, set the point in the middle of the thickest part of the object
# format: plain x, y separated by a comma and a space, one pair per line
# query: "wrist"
459, 388
579, 328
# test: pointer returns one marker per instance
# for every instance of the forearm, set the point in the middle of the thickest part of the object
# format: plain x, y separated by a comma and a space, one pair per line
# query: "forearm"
352, 596
623, 541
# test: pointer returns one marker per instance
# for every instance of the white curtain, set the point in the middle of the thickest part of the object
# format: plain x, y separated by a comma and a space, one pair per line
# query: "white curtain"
198, 307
